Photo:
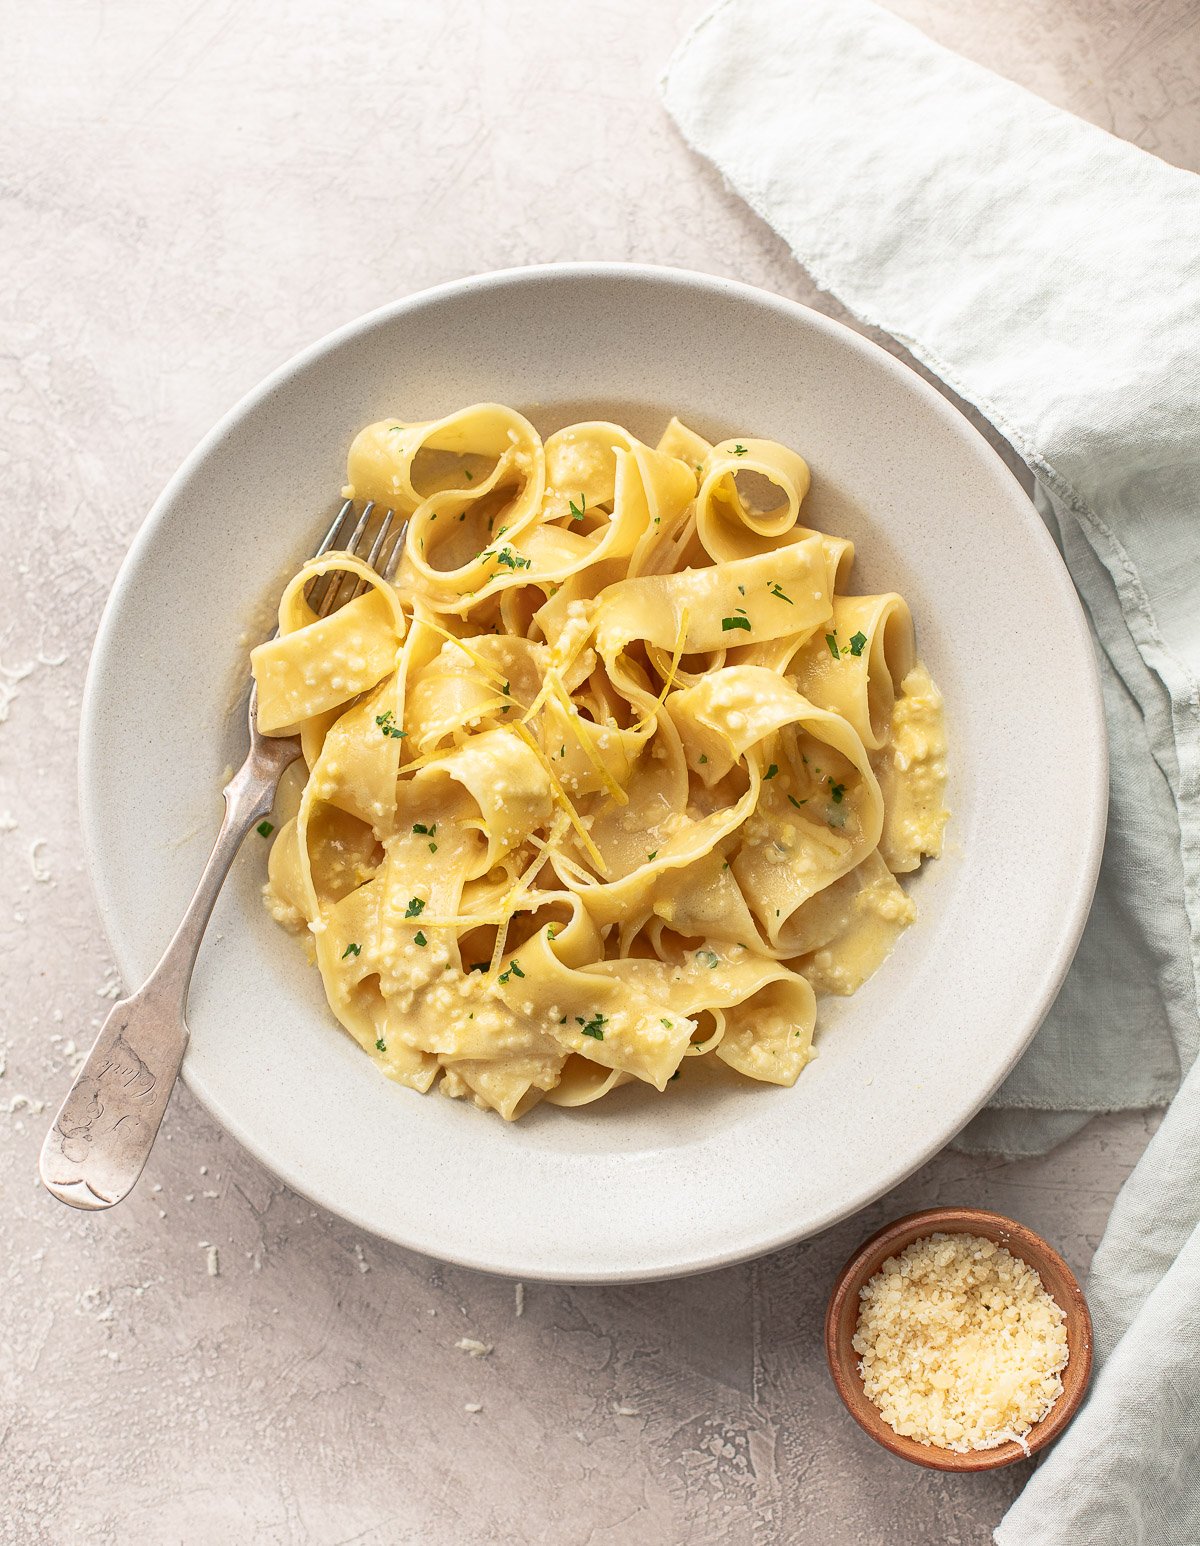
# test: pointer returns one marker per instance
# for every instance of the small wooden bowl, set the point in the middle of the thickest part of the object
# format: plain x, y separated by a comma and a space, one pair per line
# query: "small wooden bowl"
841, 1320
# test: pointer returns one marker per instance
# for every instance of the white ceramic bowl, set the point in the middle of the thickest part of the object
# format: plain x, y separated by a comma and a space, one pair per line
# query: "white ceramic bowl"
637, 1186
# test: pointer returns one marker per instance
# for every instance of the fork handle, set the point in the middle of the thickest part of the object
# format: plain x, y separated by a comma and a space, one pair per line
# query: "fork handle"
103, 1133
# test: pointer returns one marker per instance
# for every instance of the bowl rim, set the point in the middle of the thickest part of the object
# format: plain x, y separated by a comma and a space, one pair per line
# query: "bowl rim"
1093, 773
1022, 1242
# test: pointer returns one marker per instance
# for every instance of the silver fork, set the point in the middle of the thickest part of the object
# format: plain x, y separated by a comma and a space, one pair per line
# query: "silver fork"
103, 1133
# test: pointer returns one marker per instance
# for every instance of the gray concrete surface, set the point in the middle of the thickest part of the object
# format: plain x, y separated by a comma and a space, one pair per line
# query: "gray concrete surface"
191, 191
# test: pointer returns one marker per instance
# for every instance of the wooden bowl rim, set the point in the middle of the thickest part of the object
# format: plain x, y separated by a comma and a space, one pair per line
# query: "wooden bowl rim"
1022, 1242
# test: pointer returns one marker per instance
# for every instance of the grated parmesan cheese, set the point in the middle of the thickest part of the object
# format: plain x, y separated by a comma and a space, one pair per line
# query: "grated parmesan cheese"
960, 1344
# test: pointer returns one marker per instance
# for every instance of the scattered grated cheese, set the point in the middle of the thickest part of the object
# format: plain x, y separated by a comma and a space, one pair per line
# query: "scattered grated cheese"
111, 986
28, 1103
38, 868
960, 1344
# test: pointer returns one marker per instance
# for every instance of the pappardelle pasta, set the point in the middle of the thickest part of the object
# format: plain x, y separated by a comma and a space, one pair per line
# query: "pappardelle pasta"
610, 778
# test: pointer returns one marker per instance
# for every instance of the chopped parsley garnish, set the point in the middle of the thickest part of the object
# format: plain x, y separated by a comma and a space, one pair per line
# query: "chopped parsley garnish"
577, 515
779, 595
388, 725
551, 930
739, 449
419, 939
653, 854
433, 848
831, 640
265, 828
507, 689
771, 772
797, 803
351, 950
514, 970
381, 1045
593, 1027
729, 623
741, 592
424, 831
857, 641
703, 759
512, 560
837, 791
468, 475
670, 1024
709, 958
415, 907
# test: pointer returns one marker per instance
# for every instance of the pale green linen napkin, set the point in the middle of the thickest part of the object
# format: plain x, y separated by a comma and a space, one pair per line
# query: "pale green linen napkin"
1050, 274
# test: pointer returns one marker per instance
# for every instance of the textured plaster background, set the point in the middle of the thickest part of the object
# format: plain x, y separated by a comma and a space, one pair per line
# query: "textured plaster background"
190, 192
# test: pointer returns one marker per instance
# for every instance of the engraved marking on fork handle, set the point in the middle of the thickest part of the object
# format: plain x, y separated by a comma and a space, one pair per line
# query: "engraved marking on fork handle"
102, 1135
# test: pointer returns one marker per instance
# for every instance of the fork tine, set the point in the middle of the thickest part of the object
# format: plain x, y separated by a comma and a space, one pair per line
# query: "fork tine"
392, 562
359, 585
363, 522
385, 525
333, 596
319, 589
373, 555
333, 530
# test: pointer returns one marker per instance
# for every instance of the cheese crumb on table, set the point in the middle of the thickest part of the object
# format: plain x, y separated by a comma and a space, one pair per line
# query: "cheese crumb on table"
960, 1344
